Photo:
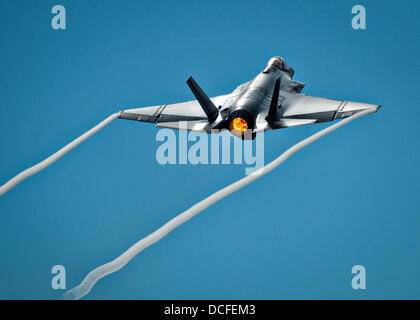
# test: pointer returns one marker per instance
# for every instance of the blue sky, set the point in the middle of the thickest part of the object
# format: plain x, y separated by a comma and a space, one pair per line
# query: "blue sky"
350, 198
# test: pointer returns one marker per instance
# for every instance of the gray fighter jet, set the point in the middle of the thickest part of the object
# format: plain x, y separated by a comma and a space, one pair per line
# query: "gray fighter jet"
270, 101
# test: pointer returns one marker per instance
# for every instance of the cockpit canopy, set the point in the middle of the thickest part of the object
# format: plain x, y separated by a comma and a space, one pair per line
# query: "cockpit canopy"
279, 63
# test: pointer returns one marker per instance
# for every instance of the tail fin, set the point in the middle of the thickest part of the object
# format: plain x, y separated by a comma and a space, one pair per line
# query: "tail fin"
274, 101
209, 108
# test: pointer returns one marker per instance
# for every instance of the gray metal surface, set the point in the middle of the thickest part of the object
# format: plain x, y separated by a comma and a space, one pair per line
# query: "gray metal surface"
253, 98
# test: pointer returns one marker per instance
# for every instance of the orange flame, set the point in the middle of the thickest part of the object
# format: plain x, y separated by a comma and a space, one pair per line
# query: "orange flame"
238, 126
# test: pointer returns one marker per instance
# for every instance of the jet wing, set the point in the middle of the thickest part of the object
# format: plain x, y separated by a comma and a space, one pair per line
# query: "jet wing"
300, 109
169, 115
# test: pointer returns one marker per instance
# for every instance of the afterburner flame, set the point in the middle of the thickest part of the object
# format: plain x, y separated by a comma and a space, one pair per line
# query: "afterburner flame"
238, 126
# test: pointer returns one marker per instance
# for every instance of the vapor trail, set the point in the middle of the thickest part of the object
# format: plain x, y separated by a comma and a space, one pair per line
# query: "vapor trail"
89, 281
54, 157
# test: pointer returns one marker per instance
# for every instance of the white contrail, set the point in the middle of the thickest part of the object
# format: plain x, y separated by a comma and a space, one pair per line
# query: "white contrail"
89, 281
54, 157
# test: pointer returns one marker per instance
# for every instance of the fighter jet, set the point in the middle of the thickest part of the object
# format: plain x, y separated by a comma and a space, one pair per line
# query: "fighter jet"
272, 100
